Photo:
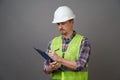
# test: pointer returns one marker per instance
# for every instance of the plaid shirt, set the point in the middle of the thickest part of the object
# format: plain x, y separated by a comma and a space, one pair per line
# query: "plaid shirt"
83, 55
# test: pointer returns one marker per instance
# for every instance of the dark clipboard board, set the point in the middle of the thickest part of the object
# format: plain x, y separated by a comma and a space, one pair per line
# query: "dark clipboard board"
45, 56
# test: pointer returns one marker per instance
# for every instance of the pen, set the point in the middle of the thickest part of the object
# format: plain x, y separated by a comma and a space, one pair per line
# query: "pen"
57, 49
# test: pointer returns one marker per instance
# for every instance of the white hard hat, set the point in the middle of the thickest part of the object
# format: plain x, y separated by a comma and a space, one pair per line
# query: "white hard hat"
63, 14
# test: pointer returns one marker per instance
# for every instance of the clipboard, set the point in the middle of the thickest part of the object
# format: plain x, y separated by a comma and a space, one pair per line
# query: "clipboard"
46, 56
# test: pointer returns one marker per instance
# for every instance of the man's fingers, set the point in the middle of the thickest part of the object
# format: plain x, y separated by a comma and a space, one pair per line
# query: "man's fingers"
53, 63
51, 51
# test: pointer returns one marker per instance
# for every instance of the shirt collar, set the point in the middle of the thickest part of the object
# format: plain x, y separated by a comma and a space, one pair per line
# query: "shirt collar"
71, 37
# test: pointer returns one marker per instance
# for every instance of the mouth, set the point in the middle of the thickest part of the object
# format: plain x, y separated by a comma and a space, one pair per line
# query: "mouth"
61, 29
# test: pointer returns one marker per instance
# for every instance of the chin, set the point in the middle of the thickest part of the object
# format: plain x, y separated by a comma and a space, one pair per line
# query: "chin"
63, 32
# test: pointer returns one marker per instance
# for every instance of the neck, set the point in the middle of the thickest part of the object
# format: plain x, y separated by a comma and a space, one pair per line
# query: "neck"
67, 36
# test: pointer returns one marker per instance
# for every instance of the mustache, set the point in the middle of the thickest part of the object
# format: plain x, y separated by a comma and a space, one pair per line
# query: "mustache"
61, 29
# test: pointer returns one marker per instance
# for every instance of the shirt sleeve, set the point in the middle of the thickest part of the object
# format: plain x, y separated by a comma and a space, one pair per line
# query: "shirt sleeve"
83, 55
47, 50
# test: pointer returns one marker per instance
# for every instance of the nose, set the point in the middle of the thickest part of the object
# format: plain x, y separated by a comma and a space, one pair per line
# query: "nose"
59, 25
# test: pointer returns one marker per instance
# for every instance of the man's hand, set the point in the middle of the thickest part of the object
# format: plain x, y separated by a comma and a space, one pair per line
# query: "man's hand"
54, 65
53, 55
67, 63
51, 67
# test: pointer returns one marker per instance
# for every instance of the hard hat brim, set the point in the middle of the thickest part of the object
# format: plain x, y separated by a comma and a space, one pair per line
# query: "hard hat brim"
62, 20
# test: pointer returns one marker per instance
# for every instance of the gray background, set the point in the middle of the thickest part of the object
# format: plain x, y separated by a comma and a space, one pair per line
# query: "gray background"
25, 24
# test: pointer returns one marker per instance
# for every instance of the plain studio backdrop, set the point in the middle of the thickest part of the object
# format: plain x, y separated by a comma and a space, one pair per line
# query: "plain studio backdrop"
25, 24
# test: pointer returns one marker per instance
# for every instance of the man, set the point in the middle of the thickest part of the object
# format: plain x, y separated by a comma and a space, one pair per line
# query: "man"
70, 51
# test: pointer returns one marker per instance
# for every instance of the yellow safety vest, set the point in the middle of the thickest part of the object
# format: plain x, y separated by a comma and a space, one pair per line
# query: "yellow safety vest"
72, 53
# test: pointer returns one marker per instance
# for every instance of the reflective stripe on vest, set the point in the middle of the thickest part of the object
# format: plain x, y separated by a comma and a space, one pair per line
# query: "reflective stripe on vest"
72, 53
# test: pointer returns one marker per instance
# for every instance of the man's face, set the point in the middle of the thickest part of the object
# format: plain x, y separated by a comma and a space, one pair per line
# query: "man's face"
65, 27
